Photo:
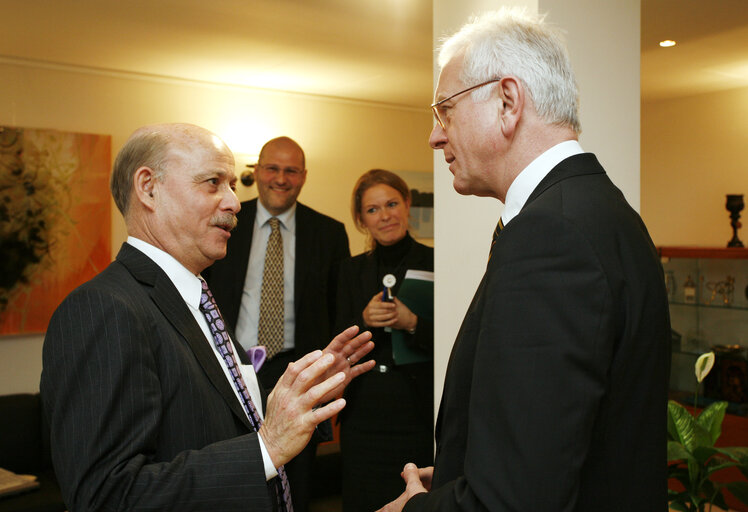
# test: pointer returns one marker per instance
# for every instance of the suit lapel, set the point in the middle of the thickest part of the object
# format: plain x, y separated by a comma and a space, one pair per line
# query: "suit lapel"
168, 300
304, 239
226, 277
240, 243
369, 274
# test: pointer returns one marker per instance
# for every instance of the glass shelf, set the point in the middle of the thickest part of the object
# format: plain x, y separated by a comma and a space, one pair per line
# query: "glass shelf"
722, 253
725, 307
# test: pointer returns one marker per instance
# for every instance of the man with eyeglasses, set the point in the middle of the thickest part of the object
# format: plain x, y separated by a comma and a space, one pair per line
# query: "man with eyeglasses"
555, 395
296, 314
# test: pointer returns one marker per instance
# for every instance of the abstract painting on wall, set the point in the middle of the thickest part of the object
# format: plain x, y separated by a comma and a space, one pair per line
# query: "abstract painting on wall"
55, 228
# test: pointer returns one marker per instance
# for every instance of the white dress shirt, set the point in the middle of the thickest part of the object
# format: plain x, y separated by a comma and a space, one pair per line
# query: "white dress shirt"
531, 176
249, 308
189, 287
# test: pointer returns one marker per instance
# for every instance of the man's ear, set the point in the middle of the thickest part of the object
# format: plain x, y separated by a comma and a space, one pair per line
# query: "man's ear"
144, 184
512, 95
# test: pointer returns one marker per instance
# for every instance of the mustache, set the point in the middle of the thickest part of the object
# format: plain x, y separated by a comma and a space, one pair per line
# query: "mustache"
225, 220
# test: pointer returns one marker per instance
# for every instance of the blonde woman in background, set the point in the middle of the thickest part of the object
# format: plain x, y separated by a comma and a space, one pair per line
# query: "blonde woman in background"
388, 420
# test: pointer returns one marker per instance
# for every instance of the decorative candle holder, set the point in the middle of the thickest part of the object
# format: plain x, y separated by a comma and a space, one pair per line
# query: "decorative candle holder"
735, 205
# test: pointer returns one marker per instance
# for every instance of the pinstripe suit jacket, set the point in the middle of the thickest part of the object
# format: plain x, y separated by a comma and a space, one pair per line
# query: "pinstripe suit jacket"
141, 413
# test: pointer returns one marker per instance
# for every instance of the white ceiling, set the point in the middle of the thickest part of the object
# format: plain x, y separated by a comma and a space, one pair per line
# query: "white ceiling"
370, 50
712, 49
374, 50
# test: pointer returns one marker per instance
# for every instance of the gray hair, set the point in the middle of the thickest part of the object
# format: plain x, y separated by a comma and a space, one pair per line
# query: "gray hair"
147, 147
512, 42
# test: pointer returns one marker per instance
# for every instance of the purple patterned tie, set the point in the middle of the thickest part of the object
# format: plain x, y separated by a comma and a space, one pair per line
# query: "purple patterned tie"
209, 308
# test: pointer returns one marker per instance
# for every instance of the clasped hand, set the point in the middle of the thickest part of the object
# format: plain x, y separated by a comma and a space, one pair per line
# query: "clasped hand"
395, 314
294, 407
417, 480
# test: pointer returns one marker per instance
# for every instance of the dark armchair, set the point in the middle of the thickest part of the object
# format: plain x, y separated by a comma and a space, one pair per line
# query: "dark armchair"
24, 449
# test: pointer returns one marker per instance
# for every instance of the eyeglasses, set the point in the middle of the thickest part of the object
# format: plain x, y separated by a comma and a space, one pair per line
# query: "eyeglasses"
440, 111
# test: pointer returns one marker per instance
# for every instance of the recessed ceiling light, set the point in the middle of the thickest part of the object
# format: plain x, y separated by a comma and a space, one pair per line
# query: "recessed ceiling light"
667, 43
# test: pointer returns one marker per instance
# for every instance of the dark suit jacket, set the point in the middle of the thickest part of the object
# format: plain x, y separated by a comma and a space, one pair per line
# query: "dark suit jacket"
556, 389
359, 282
321, 243
142, 416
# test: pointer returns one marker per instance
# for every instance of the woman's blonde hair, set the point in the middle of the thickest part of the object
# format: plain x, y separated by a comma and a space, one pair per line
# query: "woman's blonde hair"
364, 183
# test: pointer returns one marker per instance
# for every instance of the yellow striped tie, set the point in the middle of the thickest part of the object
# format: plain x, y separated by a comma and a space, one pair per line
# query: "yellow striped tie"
270, 325
499, 227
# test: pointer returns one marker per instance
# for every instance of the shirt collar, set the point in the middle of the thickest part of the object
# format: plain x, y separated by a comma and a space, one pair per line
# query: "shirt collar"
531, 176
287, 218
186, 283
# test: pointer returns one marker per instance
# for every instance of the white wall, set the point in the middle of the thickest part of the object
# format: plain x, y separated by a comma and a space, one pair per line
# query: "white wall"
342, 139
603, 40
693, 153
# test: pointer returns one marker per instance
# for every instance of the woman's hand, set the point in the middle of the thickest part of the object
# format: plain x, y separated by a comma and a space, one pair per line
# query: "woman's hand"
406, 319
379, 313
397, 315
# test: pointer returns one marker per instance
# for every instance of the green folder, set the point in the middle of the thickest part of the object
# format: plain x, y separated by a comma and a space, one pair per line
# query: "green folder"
416, 292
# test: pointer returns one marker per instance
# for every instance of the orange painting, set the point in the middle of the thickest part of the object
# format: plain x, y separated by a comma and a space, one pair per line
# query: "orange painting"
55, 228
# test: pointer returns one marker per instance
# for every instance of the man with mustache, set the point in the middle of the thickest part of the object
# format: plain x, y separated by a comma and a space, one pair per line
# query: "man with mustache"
312, 245
149, 404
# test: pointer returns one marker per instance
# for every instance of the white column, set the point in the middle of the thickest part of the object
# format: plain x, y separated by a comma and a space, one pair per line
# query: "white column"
604, 45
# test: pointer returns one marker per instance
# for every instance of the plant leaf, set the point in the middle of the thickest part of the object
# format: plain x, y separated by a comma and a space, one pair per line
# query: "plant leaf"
739, 490
679, 506
736, 453
708, 489
739, 453
680, 424
703, 453
676, 451
672, 432
701, 438
716, 467
719, 500
711, 419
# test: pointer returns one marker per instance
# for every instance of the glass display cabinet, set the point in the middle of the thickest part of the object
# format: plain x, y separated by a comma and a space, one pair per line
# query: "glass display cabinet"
708, 295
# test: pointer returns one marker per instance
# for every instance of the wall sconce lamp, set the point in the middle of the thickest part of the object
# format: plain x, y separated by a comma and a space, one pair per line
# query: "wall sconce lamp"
245, 165
248, 177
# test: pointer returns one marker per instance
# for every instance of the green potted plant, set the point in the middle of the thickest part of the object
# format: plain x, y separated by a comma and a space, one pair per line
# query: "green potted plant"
692, 456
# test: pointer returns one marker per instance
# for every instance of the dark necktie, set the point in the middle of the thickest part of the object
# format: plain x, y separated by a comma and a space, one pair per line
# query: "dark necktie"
209, 309
496, 232
270, 324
